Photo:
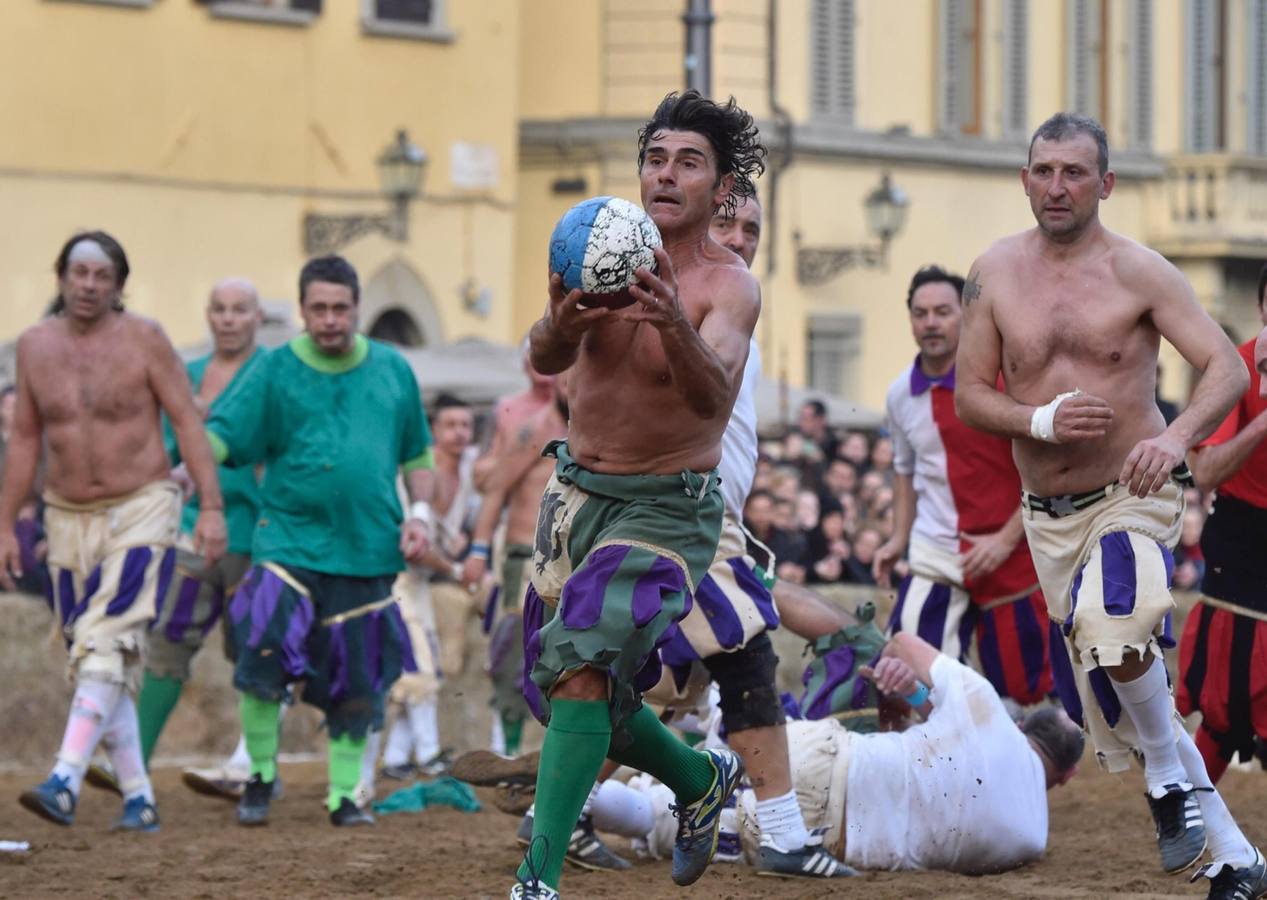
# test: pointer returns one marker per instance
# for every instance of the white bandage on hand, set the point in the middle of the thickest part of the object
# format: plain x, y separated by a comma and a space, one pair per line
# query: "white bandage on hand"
421, 510
1042, 425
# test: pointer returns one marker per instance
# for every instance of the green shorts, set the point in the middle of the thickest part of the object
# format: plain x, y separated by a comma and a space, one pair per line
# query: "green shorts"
615, 564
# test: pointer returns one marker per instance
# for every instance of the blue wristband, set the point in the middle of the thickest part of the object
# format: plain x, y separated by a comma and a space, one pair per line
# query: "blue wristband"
481, 551
919, 696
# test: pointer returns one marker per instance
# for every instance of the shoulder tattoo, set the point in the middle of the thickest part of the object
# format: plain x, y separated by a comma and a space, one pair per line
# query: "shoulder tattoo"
971, 288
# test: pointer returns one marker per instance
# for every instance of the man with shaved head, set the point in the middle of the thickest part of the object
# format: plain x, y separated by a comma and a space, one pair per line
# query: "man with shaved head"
197, 594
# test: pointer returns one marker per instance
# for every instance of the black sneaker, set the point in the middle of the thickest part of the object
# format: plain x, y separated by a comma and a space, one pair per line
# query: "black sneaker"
349, 814
1180, 828
1226, 883
404, 772
810, 861
587, 850
437, 765
253, 807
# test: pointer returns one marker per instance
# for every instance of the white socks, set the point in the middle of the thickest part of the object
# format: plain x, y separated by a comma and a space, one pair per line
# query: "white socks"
589, 801
369, 760
400, 742
497, 737
1227, 842
425, 726
122, 740
781, 823
240, 759
1147, 701
91, 710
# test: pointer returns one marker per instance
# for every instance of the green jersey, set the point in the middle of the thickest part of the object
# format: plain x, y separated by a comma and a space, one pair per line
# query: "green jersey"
239, 487
332, 433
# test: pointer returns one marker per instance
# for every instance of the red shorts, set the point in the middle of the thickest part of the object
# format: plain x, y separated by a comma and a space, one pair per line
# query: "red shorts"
1223, 673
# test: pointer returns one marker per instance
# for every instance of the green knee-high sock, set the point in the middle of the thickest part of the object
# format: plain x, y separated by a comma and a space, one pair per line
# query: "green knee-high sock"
513, 732
153, 705
259, 727
659, 752
575, 746
344, 768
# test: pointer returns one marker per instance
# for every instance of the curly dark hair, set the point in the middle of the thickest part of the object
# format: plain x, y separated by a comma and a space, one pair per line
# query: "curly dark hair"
729, 129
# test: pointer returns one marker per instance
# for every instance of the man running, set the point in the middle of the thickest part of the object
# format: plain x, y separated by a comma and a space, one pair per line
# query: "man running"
1072, 314
333, 417
630, 521
93, 383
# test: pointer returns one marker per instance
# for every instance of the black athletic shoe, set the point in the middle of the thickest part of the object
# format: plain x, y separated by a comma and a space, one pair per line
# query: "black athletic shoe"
1226, 883
1180, 828
810, 861
349, 814
404, 772
253, 807
587, 850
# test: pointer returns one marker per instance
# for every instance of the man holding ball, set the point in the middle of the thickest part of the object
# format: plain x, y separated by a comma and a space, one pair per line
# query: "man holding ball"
630, 521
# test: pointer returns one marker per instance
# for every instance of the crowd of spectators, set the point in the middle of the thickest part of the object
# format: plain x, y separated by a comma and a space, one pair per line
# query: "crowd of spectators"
822, 503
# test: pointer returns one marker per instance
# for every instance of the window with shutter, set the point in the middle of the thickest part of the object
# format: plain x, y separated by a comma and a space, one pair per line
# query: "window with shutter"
1203, 124
834, 350
415, 12
1256, 57
1141, 84
423, 19
832, 59
1016, 69
959, 70
1085, 47
284, 12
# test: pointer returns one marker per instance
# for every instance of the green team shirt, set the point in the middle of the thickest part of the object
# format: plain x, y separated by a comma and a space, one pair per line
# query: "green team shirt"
332, 433
239, 487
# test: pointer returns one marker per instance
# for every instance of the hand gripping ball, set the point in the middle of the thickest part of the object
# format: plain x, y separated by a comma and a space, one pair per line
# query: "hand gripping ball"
597, 245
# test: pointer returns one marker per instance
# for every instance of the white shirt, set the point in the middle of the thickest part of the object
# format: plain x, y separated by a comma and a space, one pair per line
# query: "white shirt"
918, 451
963, 792
738, 466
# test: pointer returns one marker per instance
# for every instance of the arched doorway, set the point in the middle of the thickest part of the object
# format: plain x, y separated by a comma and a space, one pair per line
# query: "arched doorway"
396, 306
397, 327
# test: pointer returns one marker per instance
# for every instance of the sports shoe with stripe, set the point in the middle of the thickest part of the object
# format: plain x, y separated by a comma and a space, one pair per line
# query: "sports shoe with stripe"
532, 887
139, 814
52, 800
1226, 883
1180, 828
810, 861
700, 822
585, 848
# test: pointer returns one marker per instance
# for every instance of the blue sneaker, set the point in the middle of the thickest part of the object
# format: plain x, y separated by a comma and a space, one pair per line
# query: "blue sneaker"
810, 861
139, 814
699, 822
51, 800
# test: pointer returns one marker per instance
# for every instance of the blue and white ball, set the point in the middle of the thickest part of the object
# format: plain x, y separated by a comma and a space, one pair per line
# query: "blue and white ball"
597, 245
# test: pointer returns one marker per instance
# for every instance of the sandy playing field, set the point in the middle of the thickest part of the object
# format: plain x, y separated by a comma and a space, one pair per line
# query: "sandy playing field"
1101, 835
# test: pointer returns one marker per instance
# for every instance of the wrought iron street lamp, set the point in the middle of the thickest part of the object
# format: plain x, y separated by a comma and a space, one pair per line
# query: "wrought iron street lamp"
885, 207
400, 169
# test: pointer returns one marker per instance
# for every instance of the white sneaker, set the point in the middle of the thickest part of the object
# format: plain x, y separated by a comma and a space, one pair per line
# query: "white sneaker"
219, 781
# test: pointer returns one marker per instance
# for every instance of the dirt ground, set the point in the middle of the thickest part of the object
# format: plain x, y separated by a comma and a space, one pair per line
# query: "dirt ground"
1100, 845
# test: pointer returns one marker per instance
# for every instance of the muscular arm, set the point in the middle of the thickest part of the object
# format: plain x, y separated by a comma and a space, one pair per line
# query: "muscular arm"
170, 384
1214, 464
1200, 341
978, 401
22, 455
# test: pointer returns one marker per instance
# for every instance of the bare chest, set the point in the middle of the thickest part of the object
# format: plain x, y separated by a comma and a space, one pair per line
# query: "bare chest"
90, 380
214, 380
1089, 329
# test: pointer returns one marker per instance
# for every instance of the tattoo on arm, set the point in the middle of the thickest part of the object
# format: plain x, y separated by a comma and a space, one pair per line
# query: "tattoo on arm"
971, 288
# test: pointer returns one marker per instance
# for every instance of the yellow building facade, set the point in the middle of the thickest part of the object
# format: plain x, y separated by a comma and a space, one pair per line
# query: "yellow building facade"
941, 95
202, 134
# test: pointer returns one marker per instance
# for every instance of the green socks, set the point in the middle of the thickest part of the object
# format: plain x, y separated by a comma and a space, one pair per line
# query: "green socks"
575, 746
259, 727
153, 705
513, 732
344, 768
658, 751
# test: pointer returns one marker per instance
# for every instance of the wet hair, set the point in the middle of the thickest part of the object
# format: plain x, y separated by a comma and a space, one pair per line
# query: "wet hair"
1050, 729
730, 131
332, 270
933, 274
1262, 284
1064, 125
112, 249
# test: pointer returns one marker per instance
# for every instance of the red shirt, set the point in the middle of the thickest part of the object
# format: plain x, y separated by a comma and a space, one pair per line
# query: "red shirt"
1249, 482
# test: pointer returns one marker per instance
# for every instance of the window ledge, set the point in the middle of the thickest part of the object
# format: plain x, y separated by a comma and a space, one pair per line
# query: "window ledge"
271, 15
135, 4
387, 28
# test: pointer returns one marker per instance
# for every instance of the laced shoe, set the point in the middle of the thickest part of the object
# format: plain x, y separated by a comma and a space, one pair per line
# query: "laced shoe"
139, 814
810, 861
348, 814
699, 822
1226, 883
1180, 828
253, 807
51, 800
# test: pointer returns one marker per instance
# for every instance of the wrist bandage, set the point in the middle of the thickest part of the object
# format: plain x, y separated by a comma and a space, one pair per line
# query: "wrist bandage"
1042, 425
421, 510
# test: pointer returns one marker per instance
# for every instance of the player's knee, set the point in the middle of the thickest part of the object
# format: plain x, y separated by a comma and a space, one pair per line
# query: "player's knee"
587, 684
745, 682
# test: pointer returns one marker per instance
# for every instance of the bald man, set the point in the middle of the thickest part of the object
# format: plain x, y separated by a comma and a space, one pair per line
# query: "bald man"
196, 598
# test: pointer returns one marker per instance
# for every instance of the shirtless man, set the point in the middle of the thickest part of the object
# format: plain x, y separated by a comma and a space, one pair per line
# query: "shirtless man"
513, 416
630, 521
93, 381
1072, 315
